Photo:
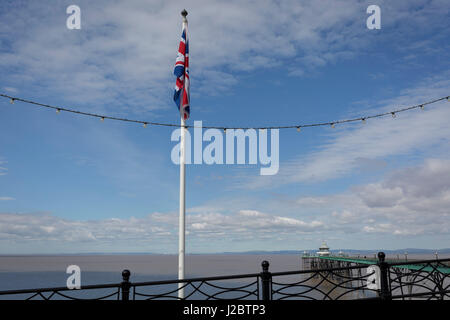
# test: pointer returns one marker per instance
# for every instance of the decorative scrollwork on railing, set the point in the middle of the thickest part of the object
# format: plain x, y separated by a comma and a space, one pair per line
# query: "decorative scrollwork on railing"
104, 297
332, 284
89, 293
206, 290
429, 280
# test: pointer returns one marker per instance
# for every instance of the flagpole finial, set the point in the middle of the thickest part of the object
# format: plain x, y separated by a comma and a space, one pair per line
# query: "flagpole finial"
184, 13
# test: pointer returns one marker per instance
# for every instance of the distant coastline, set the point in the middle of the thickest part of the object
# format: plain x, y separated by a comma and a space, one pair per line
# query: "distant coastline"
252, 252
351, 251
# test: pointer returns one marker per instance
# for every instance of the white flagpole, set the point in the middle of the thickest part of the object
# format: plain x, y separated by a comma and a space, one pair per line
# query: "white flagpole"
181, 232
182, 227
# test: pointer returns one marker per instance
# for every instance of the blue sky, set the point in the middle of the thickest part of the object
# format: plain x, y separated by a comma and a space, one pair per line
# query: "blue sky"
75, 184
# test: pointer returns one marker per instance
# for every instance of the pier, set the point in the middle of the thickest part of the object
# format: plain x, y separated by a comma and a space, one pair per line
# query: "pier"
397, 276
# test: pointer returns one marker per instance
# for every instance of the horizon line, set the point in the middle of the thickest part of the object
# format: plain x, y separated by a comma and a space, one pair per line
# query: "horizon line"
288, 251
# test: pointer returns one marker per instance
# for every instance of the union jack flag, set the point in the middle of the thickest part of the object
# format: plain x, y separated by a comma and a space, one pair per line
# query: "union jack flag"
181, 95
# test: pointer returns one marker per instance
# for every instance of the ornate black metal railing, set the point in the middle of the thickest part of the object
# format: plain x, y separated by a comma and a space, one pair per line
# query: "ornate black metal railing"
427, 279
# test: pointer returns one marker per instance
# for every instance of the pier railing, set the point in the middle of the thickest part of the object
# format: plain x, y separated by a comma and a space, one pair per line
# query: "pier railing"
427, 279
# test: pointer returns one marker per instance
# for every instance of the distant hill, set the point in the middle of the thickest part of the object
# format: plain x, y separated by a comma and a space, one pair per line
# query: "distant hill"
254, 252
350, 251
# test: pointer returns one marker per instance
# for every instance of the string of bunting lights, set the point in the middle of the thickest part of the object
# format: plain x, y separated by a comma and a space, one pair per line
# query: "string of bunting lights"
298, 126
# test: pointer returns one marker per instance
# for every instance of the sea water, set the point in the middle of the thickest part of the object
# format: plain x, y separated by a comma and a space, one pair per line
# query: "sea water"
44, 271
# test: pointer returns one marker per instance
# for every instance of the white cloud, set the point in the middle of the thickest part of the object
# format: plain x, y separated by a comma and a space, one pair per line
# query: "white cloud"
124, 53
10, 89
250, 213
375, 141
400, 205
345, 216
46, 228
3, 170
375, 195
6, 198
393, 207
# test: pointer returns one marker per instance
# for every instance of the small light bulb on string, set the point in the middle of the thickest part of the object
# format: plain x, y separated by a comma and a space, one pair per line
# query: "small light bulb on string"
11, 101
298, 129
224, 130
145, 124
421, 106
363, 120
332, 125
58, 110
393, 114
102, 119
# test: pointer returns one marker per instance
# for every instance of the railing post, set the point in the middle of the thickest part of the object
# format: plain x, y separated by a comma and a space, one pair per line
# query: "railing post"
385, 292
266, 281
125, 285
